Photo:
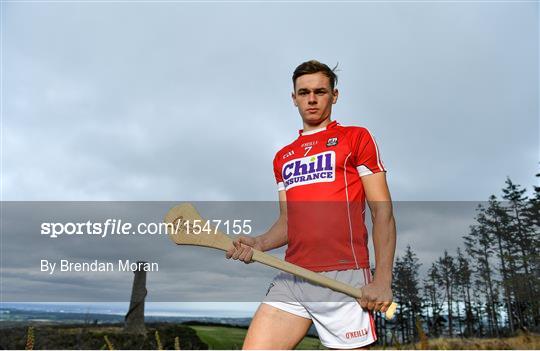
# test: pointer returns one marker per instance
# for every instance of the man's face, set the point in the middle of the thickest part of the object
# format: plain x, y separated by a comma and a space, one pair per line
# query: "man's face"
314, 97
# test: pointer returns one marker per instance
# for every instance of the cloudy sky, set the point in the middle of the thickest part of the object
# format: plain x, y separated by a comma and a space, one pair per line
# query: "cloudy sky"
176, 101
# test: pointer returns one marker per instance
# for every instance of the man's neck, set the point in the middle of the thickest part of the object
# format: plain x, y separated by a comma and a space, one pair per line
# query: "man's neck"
323, 124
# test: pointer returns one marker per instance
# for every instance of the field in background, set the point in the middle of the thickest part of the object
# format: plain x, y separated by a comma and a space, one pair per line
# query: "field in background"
231, 338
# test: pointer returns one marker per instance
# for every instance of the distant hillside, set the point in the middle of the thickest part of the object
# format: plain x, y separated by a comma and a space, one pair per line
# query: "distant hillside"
12, 317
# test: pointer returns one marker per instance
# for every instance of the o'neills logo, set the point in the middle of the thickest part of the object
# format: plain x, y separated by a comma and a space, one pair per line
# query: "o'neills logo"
361, 333
311, 169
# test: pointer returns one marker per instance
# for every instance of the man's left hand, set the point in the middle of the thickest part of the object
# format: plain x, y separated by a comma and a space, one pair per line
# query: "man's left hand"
376, 297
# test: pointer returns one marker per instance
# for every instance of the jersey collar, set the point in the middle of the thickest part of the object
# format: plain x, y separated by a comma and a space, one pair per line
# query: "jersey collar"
332, 124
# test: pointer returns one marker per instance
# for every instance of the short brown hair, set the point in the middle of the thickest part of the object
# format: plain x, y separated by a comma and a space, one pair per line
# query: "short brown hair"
314, 66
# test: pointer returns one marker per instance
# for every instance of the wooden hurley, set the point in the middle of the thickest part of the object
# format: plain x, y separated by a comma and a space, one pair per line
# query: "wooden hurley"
178, 216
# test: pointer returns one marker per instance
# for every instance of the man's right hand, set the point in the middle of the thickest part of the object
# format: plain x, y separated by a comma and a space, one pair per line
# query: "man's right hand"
242, 248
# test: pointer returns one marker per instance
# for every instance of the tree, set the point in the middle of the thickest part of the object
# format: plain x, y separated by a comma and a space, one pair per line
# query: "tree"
406, 288
525, 239
447, 272
497, 221
434, 300
463, 282
532, 221
479, 245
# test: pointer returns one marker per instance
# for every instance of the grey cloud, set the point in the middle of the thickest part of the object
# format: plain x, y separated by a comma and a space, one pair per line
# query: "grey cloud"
179, 101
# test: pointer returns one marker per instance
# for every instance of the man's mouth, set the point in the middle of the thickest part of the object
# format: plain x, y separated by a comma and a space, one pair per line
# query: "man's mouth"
312, 110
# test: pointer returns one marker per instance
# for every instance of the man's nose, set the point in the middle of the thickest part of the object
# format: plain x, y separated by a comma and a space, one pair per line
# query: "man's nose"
312, 99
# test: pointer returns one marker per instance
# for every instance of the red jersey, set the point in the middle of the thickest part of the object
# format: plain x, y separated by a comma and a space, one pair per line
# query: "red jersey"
320, 172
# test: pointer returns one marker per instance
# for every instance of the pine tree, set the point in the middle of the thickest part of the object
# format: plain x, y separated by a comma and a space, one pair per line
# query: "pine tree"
434, 300
525, 240
406, 287
447, 272
497, 221
532, 221
479, 245
463, 282
398, 287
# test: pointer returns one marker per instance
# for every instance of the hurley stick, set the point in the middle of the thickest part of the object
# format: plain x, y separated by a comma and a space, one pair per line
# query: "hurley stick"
184, 216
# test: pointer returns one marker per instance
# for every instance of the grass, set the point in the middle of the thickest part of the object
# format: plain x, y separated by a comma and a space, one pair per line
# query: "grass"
166, 336
520, 342
192, 336
231, 338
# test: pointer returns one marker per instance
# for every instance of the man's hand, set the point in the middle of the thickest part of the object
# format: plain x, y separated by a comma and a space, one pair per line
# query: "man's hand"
376, 297
242, 248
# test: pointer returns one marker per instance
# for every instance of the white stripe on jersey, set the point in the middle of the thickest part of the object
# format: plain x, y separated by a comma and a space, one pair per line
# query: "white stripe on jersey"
363, 170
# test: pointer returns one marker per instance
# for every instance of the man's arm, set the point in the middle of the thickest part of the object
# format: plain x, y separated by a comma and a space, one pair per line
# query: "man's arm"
275, 237
378, 294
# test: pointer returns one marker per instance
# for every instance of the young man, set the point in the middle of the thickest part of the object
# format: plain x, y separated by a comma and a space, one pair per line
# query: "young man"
324, 178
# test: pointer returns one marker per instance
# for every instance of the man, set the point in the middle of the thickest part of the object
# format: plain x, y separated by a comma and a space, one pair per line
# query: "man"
324, 178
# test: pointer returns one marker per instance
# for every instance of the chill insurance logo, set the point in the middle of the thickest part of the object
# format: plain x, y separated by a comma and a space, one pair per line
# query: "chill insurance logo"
317, 168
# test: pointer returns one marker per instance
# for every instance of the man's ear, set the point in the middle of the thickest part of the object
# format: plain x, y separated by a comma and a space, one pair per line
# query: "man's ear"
335, 97
293, 96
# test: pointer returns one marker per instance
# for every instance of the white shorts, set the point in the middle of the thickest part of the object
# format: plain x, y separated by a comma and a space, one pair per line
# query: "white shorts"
339, 319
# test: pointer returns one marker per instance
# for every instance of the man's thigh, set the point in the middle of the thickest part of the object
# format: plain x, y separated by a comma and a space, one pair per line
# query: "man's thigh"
272, 328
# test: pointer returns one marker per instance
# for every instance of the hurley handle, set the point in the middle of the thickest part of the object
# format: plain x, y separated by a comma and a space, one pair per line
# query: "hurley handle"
179, 218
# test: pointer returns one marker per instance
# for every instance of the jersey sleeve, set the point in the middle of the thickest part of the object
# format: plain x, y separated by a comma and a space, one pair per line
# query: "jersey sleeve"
366, 154
277, 174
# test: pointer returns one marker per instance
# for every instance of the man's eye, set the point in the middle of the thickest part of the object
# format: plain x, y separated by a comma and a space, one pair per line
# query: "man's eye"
321, 92
303, 93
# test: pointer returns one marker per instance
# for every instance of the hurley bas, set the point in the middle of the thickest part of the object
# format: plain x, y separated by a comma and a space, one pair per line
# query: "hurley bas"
97, 266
